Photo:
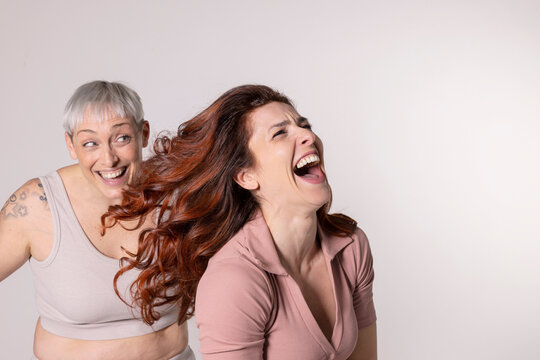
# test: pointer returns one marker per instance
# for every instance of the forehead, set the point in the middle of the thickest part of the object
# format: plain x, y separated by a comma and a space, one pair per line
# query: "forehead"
93, 123
267, 115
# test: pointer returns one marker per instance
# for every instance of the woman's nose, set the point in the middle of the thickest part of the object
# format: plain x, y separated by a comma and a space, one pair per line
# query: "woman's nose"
306, 137
109, 157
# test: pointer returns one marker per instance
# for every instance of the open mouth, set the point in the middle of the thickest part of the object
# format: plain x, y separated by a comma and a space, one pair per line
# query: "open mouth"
113, 174
308, 165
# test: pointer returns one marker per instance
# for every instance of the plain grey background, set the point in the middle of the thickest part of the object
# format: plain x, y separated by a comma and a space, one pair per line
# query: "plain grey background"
429, 112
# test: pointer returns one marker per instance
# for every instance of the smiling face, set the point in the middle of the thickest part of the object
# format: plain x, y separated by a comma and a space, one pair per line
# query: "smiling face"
288, 168
108, 152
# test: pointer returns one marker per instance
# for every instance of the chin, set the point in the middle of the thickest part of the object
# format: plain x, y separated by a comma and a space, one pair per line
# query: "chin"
316, 204
320, 205
322, 198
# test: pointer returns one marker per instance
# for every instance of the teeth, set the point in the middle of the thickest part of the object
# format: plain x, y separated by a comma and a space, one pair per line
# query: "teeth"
307, 160
112, 175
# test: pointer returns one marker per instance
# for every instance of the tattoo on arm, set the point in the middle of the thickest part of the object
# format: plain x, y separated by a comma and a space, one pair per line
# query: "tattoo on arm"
12, 207
17, 206
42, 196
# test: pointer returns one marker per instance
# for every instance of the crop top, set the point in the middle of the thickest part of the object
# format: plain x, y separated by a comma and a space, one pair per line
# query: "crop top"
75, 296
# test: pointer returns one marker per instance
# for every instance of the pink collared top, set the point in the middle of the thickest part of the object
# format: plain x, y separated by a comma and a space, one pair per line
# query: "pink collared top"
248, 307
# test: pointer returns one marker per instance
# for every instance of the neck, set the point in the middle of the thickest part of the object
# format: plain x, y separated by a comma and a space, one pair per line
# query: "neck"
295, 235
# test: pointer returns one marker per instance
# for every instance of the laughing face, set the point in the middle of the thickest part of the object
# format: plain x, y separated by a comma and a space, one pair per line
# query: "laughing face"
108, 152
288, 168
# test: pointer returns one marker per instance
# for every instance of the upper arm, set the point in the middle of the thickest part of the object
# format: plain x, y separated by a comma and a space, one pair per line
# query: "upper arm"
232, 307
21, 217
363, 289
366, 345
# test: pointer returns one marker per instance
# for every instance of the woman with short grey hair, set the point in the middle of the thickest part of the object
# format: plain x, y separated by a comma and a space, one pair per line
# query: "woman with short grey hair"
54, 222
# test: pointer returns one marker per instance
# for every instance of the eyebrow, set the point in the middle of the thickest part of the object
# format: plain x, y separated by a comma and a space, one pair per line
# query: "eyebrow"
299, 120
93, 132
280, 124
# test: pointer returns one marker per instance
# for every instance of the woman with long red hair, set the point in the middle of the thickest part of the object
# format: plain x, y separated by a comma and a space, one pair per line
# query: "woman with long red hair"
243, 236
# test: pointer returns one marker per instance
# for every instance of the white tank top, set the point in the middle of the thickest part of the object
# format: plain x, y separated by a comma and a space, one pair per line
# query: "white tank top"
74, 285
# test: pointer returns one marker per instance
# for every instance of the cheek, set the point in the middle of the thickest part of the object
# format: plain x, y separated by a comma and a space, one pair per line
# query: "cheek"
278, 176
130, 153
319, 145
86, 160
277, 163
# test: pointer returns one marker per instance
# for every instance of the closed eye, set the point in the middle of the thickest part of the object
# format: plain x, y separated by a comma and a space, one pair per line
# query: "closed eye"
279, 132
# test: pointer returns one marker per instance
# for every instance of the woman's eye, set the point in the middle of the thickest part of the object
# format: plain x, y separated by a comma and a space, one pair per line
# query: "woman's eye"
89, 144
124, 138
306, 126
278, 133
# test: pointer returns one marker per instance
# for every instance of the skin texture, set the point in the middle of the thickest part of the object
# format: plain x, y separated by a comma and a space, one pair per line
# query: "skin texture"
24, 216
280, 138
102, 148
26, 229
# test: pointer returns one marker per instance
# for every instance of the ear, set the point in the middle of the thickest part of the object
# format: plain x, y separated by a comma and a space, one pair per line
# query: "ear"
145, 133
70, 147
246, 179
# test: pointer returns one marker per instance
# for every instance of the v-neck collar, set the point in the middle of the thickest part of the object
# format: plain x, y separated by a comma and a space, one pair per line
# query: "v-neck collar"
256, 239
255, 236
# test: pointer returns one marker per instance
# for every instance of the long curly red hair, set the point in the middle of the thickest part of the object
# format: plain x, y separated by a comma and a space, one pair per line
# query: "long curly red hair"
188, 184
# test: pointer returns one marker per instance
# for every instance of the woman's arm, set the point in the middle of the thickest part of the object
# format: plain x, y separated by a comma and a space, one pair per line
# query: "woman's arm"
232, 307
366, 345
22, 217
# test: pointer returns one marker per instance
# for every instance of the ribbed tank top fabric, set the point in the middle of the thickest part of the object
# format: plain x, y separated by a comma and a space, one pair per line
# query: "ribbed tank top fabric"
74, 290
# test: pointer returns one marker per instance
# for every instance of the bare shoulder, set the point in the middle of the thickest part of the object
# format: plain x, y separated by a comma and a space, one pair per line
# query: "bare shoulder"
27, 204
25, 216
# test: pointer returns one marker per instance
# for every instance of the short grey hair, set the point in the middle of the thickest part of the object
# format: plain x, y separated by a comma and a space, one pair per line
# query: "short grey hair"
103, 99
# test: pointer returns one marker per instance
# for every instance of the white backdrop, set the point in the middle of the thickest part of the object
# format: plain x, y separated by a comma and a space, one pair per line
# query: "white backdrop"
429, 111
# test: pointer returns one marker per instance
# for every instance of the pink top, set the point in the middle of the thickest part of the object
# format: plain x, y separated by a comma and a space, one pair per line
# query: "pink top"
248, 307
